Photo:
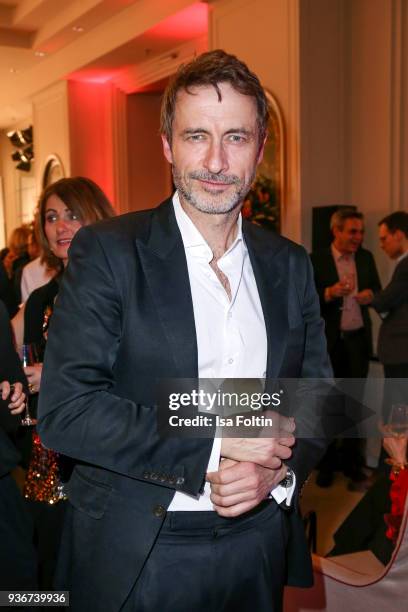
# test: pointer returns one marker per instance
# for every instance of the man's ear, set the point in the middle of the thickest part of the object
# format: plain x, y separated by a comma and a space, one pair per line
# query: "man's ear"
167, 149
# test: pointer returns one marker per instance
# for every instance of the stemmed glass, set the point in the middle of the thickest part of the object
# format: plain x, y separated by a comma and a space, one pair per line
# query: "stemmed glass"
29, 356
398, 420
348, 282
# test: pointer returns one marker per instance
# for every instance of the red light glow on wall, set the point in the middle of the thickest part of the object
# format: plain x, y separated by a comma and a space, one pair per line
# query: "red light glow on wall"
97, 76
91, 134
189, 23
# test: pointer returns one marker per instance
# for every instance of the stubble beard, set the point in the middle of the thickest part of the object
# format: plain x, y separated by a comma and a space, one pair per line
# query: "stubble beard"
207, 202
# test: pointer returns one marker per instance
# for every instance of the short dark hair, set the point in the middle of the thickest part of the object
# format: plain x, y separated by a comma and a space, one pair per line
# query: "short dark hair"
396, 221
339, 218
83, 197
212, 68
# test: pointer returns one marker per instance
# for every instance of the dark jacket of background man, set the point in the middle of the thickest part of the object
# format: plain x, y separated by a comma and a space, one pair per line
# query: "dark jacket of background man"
347, 226
392, 302
326, 275
349, 349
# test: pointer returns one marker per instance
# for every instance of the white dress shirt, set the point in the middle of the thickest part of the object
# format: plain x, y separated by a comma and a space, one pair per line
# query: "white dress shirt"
231, 334
351, 315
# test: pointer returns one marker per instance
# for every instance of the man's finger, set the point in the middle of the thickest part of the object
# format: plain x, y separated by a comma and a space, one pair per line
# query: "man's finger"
16, 391
237, 472
226, 501
237, 510
5, 389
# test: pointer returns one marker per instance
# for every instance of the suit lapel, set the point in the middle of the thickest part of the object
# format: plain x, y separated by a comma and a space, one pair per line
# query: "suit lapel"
360, 270
332, 274
165, 268
270, 263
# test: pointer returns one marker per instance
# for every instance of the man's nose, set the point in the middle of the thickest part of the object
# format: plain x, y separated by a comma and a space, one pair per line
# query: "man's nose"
216, 160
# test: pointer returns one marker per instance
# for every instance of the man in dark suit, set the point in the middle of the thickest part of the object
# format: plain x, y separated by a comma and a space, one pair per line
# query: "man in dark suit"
185, 290
392, 306
346, 280
18, 567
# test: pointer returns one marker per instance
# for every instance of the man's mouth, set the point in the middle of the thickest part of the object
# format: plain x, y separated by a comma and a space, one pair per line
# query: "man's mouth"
214, 184
214, 181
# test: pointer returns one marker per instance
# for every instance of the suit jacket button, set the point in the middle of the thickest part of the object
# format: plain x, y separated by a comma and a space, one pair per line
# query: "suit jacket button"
159, 511
180, 481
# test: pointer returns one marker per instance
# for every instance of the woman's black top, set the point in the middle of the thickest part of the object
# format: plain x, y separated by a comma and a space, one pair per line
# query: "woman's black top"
39, 301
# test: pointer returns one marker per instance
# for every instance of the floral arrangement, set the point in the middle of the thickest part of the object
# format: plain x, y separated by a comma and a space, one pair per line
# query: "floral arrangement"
262, 204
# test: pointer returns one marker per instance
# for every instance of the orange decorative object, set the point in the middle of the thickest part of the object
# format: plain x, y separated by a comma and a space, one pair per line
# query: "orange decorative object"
43, 480
398, 494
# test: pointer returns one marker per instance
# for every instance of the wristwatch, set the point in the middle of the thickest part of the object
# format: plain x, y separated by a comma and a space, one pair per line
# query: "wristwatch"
289, 479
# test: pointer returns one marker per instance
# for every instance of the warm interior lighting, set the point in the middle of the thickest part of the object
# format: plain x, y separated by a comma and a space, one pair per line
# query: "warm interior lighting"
25, 166
189, 23
20, 139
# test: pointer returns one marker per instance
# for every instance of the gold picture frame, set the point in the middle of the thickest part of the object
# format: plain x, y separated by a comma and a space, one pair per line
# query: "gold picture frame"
264, 203
53, 170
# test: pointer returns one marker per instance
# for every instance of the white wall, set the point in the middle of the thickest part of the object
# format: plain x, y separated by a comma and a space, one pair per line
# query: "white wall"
51, 129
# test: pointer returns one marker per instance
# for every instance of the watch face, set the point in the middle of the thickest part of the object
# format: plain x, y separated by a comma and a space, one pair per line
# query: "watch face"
288, 480
53, 171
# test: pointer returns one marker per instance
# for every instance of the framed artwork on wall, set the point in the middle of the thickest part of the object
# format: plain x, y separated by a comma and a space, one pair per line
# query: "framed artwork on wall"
53, 170
264, 202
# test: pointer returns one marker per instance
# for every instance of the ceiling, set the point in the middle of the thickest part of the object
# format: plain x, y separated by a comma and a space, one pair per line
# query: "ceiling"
43, 41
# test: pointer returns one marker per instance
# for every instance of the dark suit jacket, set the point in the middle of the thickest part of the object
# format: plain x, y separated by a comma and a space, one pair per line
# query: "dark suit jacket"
7, 293
393, 300
123, 319
17, 558
10, 369
325, 273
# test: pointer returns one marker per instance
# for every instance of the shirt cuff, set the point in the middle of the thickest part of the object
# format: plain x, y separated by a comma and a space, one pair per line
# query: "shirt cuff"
284, 494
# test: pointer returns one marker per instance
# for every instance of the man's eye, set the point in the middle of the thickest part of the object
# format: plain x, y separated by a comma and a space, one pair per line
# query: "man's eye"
236, 138
196, 137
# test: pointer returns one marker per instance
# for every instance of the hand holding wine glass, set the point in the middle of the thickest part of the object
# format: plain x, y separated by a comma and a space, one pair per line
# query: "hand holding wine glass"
33, 374
347, 282
32, 369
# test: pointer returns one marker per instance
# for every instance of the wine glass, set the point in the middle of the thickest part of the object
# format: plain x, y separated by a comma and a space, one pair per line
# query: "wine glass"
348, 281
398, 420
29, 356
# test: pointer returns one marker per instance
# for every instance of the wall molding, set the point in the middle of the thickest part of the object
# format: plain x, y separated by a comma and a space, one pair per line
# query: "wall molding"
396, 110
118, 127
53, 96
136, 78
